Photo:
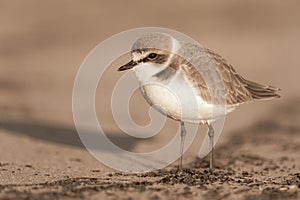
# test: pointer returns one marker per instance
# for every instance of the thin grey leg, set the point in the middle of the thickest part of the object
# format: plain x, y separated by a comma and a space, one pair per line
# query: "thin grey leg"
182, 138
211, 133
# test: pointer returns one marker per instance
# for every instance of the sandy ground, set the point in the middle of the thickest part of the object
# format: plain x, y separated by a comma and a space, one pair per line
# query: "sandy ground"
42, 45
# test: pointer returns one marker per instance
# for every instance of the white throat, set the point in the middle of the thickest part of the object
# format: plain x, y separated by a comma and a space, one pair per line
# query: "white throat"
145, 72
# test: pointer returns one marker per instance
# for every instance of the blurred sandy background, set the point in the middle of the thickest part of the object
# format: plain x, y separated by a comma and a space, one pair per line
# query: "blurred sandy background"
42, 44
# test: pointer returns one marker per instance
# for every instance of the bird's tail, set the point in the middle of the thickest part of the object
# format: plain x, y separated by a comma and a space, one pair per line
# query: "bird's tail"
261, 91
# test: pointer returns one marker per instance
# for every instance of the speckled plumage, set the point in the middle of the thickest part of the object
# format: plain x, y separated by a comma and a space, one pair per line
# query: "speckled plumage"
238, 90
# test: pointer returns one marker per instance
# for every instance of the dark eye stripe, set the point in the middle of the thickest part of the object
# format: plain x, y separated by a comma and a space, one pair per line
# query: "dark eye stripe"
159, 60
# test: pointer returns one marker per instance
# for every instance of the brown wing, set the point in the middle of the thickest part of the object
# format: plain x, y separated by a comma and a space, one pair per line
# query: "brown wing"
237, 89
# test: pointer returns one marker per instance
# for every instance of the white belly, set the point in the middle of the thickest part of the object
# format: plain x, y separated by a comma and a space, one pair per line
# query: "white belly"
177, 99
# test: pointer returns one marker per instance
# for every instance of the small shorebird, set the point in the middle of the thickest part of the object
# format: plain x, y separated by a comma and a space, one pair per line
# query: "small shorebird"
160, 60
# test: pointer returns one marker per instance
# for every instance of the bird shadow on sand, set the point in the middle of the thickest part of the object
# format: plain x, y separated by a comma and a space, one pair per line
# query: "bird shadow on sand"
67, 135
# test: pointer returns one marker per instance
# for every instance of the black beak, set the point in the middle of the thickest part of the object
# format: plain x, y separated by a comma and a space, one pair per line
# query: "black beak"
127, 66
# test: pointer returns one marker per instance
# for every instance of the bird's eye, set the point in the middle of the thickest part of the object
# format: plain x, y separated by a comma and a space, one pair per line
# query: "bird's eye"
152, 56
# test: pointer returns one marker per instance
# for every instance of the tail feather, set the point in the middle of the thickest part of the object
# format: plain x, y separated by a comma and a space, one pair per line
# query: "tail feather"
260, 91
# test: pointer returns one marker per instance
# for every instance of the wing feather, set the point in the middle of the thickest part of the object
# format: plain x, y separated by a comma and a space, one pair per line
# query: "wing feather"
237, 89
